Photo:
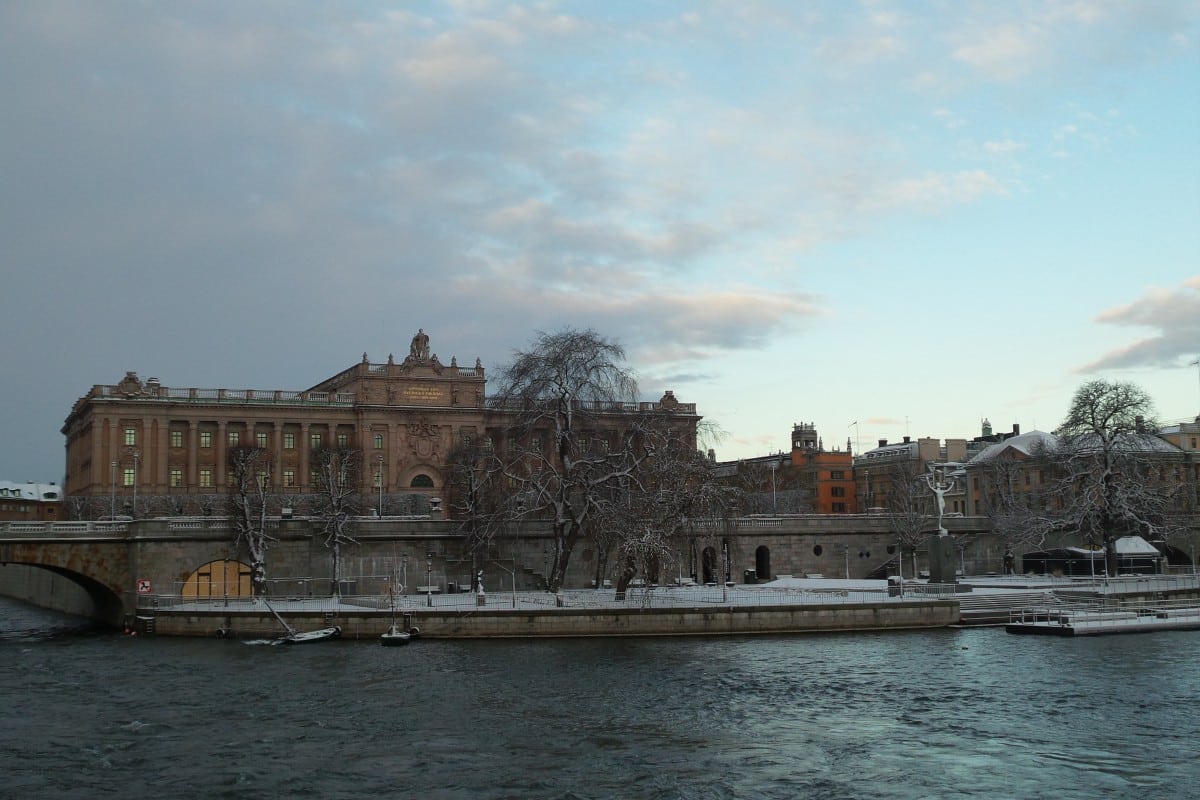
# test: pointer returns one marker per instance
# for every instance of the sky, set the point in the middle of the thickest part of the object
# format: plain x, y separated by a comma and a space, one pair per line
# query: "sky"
882, 218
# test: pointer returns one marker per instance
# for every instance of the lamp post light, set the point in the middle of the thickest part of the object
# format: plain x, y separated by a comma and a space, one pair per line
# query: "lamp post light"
512, 573
774, 469
136, 455
429, 579
379, 480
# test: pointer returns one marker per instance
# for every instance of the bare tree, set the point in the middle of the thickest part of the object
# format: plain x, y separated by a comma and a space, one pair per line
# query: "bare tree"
249, 468
1106, 463
574, 436
1018, 497
909, 510
478, 498
671, 500
337, 499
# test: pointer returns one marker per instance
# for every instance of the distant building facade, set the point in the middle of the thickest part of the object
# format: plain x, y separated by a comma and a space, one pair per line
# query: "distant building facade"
30, 502
137, 439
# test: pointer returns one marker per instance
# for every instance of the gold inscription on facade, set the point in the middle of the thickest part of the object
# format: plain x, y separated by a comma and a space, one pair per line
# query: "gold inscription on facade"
424, 395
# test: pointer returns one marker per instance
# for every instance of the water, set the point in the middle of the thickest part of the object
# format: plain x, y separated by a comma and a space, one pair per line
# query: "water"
956, 713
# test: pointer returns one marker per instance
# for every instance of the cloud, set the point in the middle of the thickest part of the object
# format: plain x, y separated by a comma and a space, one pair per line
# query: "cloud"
1174, 313
935, 191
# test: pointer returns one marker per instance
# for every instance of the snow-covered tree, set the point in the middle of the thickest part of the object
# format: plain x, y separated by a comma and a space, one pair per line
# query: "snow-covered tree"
249, 468
337, 498
575, 435
1107, 463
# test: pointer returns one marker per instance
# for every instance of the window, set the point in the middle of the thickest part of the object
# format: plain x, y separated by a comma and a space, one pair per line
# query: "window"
839, 508
837, 475
206, 478
176, 438
838, 491
130, 437
289, 441
262, 478
176, 477
314, 476
535, 444
230, 479
261, 440
343, 440
129, 476
206, 438
315, 441
289, 477
422, 482
379, 441
235, 438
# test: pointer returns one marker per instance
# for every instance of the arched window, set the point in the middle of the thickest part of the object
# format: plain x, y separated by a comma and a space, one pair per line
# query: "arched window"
762, 563
422, 481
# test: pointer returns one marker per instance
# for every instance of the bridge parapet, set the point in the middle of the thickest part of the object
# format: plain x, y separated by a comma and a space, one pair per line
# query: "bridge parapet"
63, 530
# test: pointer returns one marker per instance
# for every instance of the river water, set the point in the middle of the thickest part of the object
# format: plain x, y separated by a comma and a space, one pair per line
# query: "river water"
951, 713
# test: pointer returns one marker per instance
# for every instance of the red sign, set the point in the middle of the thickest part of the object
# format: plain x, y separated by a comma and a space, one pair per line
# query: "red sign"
143, 586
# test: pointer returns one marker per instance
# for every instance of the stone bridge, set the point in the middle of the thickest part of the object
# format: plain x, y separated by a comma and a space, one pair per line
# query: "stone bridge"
126, 565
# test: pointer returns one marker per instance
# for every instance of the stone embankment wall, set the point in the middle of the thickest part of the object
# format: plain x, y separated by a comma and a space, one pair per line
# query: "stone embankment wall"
809, 618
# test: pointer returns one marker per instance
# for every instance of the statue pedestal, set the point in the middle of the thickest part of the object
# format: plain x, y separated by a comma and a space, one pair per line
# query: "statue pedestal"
942, 559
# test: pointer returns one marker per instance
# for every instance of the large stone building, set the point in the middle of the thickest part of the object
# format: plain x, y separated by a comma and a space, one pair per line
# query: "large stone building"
137, 439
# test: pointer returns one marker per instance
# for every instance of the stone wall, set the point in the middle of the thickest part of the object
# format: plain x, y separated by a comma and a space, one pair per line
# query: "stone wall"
437, 623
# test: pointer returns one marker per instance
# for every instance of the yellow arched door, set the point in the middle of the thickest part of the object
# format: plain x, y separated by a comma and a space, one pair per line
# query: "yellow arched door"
219, 579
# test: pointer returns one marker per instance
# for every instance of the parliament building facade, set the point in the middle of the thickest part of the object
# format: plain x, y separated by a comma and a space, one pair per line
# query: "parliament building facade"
138, 442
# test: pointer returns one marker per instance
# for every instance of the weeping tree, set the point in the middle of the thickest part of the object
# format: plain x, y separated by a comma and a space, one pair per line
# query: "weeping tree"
574, 437
249, 470
337, 472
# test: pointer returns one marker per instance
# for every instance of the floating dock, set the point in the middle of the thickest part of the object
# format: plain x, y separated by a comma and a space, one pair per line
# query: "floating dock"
1097, 621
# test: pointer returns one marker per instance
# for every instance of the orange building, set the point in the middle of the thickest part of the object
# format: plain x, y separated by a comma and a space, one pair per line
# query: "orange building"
828, 473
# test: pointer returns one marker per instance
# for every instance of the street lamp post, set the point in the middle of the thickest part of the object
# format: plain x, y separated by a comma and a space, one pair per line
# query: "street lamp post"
512, 573
112, 513
136, 455
774, 469
429, 579
379, 479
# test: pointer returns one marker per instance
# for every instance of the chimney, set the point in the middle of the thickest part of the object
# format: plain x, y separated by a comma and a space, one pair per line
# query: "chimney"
1016, 429
907, 440
883, 442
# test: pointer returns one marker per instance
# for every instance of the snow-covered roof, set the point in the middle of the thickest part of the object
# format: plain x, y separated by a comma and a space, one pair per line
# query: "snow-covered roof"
1134, 546
1026, 444
40, 492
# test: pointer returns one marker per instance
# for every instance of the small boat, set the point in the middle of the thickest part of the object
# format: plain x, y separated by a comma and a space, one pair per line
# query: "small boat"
304, 637
293, 636
395, 635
